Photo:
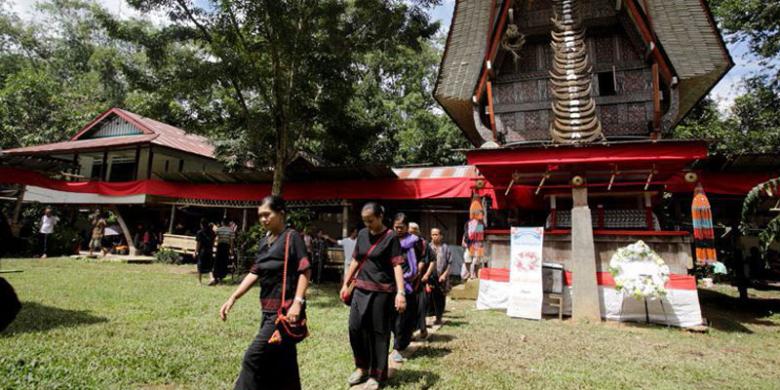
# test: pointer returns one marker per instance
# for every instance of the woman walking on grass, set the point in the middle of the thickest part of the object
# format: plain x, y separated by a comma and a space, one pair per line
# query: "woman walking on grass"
204, 249
271, 363
379, 286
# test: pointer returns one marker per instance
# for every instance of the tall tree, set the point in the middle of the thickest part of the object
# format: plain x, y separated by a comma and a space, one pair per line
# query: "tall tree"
283, 72
756, 22
751, 126
56, 73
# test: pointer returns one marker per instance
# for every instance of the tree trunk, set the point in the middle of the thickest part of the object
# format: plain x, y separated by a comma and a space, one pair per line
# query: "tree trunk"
280, 160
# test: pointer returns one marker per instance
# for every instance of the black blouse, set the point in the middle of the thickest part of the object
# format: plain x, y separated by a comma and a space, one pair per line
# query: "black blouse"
377, 272
268, 266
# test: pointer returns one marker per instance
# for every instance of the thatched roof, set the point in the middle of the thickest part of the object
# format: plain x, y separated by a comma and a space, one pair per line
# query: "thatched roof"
685, 29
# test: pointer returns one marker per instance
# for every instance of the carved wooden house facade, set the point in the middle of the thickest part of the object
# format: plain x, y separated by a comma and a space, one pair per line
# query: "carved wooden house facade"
649, 63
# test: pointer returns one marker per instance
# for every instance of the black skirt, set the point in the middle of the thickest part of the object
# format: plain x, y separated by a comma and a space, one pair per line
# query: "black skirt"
221, 262
205, 260
269, 366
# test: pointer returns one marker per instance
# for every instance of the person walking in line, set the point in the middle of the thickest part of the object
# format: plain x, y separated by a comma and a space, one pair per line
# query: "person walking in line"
270, 362
225, 241
425, 270
379, 285
204, 249
48, 222
440, 279
413, 254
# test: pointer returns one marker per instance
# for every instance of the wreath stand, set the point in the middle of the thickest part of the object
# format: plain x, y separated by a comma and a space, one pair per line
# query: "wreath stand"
647, 311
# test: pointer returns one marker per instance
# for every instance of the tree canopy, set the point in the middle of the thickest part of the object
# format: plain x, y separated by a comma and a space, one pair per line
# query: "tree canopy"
752, 125
346, 81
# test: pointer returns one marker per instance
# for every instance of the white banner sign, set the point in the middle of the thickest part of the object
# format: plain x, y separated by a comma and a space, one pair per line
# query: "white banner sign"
525, 273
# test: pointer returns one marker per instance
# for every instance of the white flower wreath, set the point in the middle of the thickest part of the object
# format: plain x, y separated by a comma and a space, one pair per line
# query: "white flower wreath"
639, 272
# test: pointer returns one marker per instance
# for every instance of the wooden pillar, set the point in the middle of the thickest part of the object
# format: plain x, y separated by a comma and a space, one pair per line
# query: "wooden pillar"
656, 101
76, 167
585, 294
243, 220
128, 237
136, 174
150, 162
649, 211
345, 219
15, 226
491, 113
173, 215
553, 212
104, 166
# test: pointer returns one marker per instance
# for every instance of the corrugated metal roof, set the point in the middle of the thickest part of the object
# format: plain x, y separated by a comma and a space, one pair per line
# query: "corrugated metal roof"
174, 137
88, 144
460, 171
154, 132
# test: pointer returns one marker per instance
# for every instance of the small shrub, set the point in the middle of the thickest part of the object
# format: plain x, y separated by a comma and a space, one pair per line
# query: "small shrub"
167, 256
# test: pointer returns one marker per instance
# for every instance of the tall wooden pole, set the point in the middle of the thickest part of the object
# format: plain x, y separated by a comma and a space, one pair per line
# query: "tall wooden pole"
150, 163
345, 218
173, 215
15, 227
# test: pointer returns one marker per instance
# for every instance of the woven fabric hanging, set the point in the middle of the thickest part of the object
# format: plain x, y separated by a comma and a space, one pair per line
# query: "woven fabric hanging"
475, 229
703, 233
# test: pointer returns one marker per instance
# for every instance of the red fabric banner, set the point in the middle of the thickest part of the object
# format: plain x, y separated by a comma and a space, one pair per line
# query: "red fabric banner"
684, 151
676, 281
429, 188
721, 183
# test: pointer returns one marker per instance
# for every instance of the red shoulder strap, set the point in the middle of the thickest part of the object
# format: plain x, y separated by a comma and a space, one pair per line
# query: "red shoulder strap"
284, 271
365, 258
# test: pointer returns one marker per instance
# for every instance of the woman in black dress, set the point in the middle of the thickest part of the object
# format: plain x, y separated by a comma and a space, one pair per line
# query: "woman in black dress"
204, 249
268, 365
379, 287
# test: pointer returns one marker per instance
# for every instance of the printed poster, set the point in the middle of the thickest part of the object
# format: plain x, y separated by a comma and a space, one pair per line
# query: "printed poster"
525, 273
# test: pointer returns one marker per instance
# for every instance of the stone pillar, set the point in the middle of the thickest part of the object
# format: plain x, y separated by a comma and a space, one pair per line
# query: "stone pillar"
585, 294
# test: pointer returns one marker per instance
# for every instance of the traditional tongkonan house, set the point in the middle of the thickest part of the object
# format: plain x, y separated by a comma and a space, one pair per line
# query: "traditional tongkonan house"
568, 104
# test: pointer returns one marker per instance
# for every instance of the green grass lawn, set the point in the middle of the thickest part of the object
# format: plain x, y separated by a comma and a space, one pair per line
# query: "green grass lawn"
107, 325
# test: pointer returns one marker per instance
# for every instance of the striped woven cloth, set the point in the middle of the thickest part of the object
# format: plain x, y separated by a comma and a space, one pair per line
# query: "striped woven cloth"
703, 233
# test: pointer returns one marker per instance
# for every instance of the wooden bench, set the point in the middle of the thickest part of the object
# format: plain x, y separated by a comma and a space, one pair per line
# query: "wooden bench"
184, 245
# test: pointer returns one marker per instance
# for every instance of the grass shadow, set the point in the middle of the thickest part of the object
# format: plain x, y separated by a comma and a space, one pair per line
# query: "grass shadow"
440, 338
727, 313
454, 324
448, 314
423, 379
35, 317
431, 352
